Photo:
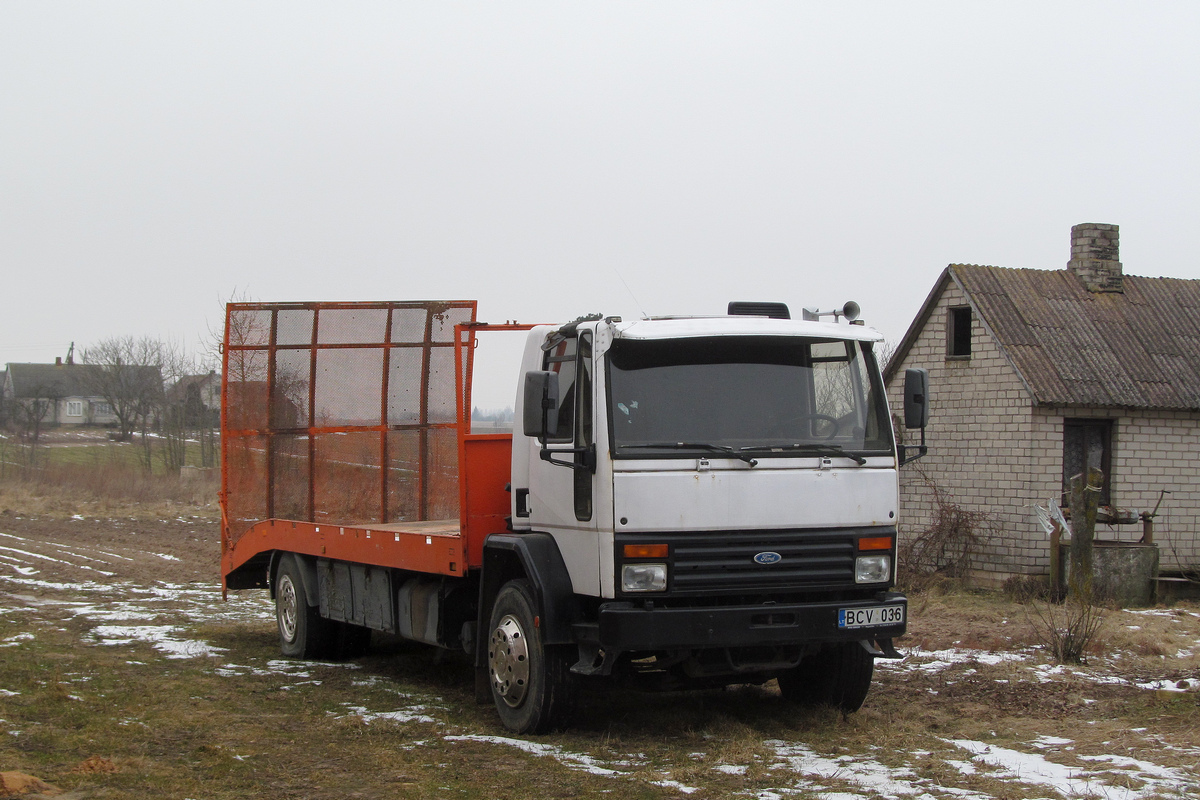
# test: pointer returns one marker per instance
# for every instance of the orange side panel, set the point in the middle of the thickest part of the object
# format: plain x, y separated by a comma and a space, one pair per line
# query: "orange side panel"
433, 546
485, 471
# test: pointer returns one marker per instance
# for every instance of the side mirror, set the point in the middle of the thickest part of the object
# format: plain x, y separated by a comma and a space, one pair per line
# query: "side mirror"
916, 398
540, 412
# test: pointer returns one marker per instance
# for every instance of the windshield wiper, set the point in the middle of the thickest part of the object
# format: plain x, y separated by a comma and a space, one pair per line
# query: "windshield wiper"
723, 449
823, 449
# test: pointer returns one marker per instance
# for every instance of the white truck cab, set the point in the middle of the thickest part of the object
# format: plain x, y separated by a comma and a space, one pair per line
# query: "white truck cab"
723, 494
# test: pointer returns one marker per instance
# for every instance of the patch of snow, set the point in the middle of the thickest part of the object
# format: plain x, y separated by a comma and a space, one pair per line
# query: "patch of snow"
939, 660
871, 776
14, 641
114, 613
576, 761
1069, 781
44, 557
161, 637
1162, 612
1043, 742
1184, 685
413, 714
676, 785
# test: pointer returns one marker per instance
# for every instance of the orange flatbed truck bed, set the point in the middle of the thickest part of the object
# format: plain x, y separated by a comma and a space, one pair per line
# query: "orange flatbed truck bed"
284, 369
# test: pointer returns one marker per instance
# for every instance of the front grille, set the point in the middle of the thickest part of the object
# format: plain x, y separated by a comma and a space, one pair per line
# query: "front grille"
724, 561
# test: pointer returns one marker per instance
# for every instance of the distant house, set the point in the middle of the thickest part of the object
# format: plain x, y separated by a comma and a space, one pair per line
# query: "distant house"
1037, 374
200, 396
68, 393
63, 391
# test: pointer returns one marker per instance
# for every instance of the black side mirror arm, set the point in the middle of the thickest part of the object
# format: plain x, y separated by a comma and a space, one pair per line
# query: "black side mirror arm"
587, 462
910, 453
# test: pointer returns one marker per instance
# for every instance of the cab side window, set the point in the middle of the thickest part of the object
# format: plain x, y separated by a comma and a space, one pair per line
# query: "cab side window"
561, 359
583, 430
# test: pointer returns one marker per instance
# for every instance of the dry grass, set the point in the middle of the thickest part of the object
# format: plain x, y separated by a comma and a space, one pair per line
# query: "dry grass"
91, 480
125, 721
147, 726
148, 498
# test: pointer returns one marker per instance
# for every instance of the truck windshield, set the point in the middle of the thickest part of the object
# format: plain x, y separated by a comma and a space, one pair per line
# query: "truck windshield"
769, 396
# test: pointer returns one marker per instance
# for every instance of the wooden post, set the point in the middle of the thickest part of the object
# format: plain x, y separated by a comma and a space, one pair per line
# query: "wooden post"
1056, 582
1085, 497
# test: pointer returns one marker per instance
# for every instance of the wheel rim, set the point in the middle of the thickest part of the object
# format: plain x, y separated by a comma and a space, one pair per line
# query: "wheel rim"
509, 657
286, 604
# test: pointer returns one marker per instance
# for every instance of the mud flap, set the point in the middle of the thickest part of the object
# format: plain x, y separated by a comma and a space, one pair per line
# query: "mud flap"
881, 648
483, 687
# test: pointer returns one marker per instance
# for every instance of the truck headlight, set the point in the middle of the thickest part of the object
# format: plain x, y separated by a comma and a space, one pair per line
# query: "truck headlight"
644, 578
872, 569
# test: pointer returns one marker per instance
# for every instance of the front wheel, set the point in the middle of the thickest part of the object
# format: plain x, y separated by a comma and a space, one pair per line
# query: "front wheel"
531, 681
839, 676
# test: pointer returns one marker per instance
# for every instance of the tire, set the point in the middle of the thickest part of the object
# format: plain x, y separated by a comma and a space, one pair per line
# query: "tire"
838, 676
531, 683
303, 632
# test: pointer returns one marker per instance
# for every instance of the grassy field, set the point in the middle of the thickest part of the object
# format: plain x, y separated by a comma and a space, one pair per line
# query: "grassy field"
79, 451
124, 674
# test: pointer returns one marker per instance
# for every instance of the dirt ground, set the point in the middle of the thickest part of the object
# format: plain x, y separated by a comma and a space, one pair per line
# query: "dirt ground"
123, 614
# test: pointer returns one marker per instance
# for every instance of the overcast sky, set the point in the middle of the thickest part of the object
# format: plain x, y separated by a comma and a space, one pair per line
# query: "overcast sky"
157, 157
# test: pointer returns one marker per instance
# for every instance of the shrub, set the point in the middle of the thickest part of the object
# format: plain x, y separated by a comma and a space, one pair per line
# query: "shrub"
947, 548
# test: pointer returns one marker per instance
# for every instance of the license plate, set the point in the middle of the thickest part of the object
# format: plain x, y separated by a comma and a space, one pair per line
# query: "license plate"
871, 617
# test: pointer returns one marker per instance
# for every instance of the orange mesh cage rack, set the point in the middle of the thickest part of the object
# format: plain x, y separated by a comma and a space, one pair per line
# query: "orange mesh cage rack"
342, 430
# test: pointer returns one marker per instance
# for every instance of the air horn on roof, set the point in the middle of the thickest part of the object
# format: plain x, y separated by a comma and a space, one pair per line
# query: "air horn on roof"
850, 311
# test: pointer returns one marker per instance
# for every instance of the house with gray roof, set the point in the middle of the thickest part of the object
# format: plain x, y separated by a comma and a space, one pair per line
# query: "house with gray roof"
62, 389
1038, 374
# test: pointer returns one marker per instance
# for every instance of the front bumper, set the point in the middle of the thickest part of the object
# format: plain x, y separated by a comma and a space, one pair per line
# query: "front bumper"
626, 627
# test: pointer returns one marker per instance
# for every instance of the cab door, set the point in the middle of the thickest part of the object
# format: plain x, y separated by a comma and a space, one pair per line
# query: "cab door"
562, 494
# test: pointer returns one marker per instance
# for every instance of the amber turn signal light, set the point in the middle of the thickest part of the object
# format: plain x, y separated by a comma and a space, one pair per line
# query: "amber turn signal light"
875, 543
645, 551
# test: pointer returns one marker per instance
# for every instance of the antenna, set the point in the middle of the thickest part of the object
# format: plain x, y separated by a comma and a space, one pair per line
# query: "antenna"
631, 294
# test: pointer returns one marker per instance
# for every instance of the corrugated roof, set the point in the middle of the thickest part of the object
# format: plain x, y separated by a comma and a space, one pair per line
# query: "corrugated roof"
1136, 349
58, 380
50, 380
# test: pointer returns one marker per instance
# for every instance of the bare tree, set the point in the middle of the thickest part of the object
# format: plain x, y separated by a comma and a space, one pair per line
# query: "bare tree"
127, 373
174, 421
24, 419
885, 351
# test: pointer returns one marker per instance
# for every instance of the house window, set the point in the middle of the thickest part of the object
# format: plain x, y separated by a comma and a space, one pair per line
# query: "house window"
1088, 443
958, 332
74, 408
101, 409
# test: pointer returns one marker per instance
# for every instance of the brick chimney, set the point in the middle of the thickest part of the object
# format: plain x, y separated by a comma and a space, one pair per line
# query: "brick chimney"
1095, 250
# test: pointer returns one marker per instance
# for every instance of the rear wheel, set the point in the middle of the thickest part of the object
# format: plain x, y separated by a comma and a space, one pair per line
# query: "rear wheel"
303, 632
838, 676
530, 681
